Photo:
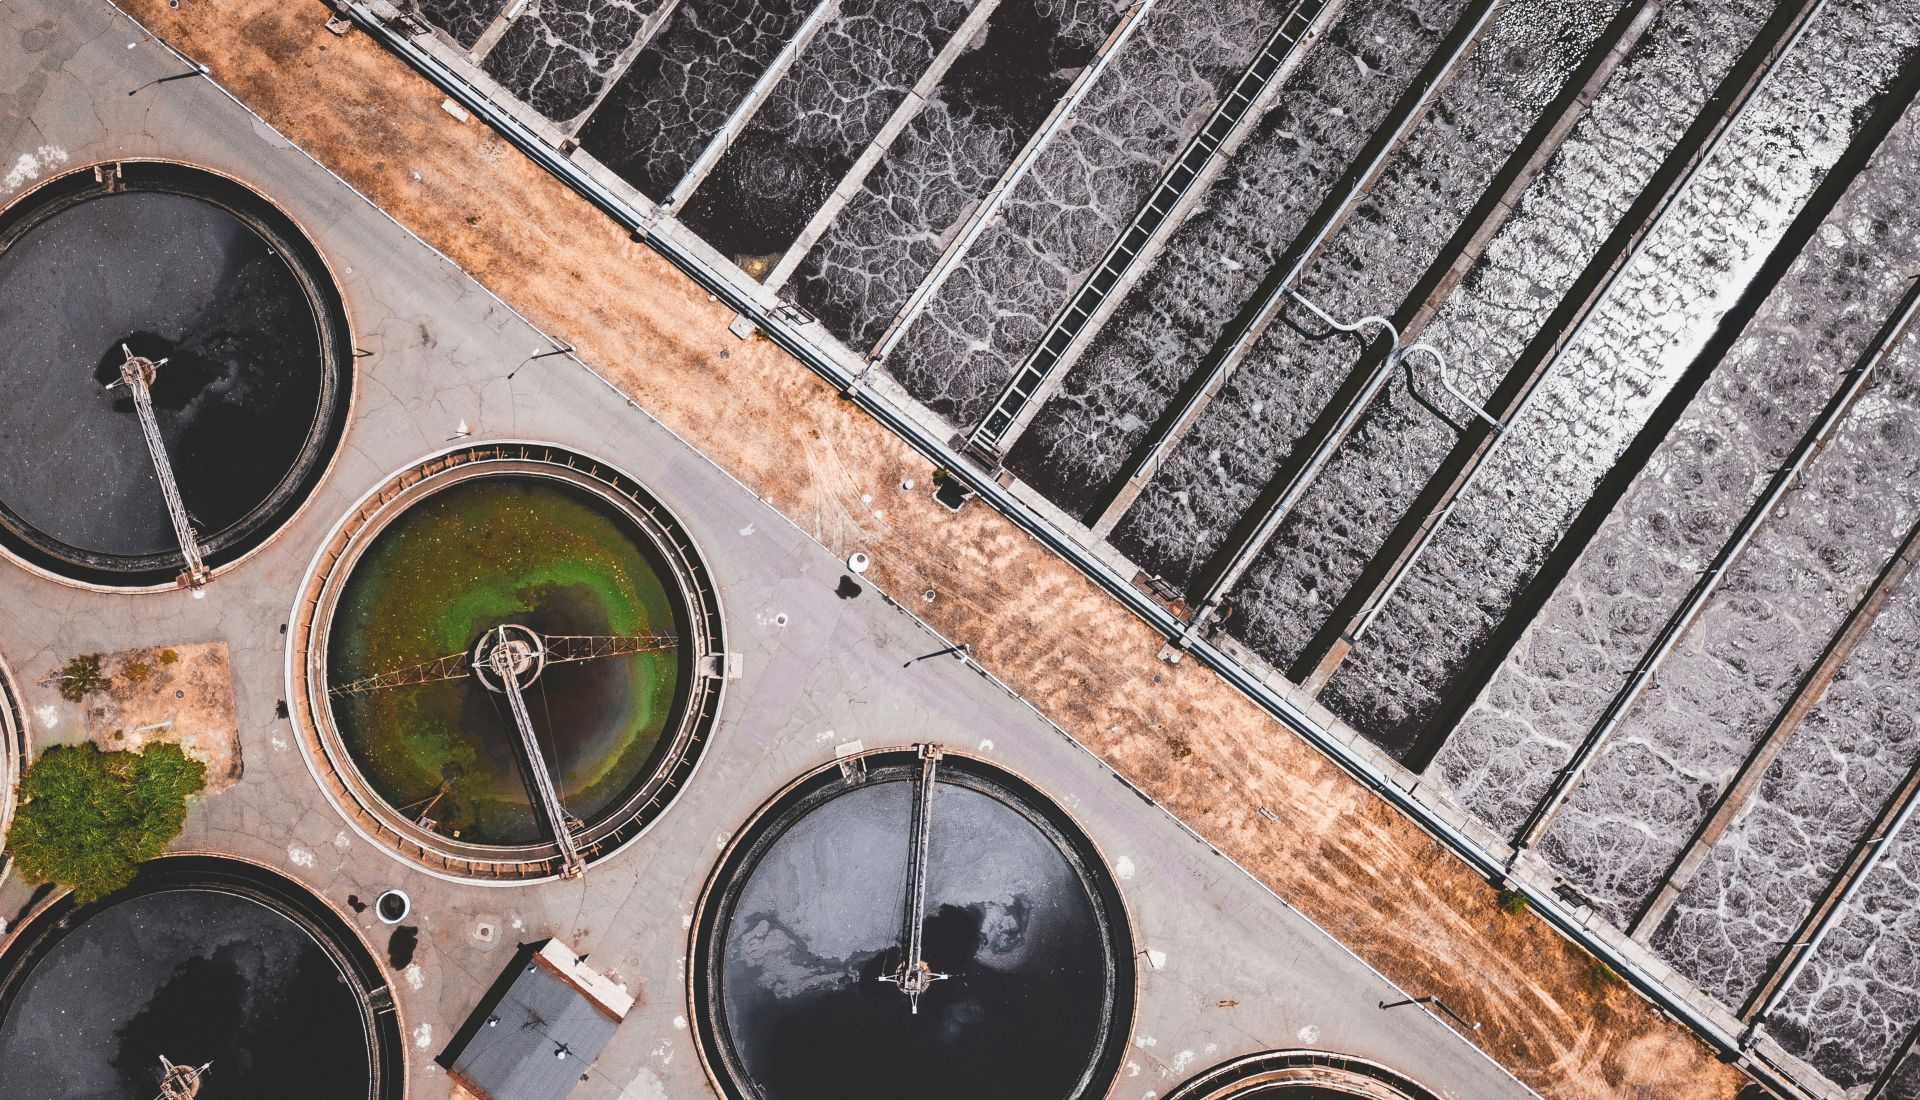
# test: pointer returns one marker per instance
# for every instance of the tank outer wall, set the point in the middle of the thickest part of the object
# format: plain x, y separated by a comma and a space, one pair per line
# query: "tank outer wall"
334, 330
1277, 1071
379, 1011
753, 835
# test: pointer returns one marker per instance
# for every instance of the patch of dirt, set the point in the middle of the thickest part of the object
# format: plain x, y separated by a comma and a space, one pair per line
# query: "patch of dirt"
1369, 876
182, 694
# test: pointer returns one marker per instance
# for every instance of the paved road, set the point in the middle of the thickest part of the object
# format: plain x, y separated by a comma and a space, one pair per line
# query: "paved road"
1231, 969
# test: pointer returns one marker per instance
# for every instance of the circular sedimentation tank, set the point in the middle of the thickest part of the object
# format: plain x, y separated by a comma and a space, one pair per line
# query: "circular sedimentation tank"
603, 611
192, 271
807, 978
1300, 1075
202, 962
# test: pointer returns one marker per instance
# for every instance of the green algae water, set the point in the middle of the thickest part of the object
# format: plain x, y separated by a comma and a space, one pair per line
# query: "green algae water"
519, 549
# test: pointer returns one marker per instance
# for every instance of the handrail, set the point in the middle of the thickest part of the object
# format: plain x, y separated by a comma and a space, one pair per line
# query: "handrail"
1030, 383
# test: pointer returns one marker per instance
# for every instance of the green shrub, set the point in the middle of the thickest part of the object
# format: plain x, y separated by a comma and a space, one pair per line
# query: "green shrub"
1601, 976
81, 677
88, 819
1513, 902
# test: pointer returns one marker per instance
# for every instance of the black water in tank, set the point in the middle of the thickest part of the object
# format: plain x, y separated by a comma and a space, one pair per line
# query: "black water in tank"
198, 976
1011, 916
166, 274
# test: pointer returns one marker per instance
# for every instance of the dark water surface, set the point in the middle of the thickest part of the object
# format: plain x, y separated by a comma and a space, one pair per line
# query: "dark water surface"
839, 93
559, 54
530, 551
1009, 915
1906, 1081
682, 87
464, 20
172, 276
895, 228
198, 976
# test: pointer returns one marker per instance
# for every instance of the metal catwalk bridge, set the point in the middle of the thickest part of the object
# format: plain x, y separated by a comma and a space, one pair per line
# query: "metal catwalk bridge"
137, 375
555, 649
508, 659
914, 976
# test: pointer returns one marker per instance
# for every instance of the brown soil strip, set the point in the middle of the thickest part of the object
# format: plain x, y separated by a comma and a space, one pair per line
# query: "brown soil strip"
180, 694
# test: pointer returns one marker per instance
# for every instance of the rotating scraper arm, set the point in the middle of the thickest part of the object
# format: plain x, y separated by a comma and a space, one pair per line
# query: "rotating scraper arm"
540, 776
915, 976
137, 374
559, 649
454, 666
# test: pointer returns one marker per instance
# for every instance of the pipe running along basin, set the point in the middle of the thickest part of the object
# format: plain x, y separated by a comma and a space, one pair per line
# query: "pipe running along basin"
912, 923
245, 362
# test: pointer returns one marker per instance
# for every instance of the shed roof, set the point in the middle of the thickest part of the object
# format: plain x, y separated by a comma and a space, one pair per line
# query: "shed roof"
532, 1037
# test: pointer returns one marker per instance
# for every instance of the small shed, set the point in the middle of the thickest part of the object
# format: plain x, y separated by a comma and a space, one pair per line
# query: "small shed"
539, 1027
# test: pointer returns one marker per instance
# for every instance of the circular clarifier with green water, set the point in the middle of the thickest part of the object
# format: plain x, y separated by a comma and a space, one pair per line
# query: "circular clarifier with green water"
507, 549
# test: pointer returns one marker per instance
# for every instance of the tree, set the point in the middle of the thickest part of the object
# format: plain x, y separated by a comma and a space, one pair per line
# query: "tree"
88, 819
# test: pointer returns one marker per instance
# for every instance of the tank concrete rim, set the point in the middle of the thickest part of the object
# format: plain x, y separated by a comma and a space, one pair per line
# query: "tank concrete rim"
1283, 1070
296, 901
325, 753
715, 1052
13, 758
340, 393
